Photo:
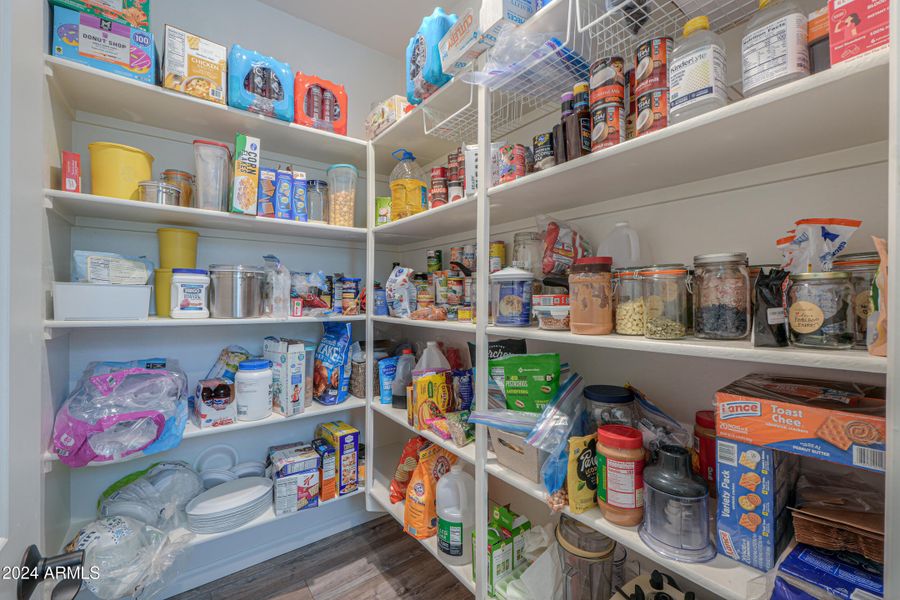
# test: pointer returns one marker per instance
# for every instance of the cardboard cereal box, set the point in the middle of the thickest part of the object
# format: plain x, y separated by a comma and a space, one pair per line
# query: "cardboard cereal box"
294, 468
755, 485
194, 66
246, 175
839, 422
134, 13
856, 27
345, 441
327, 471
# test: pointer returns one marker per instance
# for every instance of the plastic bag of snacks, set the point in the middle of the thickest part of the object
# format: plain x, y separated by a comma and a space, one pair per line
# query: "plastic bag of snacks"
768, 319
563, 245
462, 432
310, 294
278, 288
581, 479
877, 321
817, 241
409, 460
420, 513
401, 292
529, 382
331, 374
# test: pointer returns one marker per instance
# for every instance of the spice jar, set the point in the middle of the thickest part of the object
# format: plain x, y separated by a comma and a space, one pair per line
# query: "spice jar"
590, 296
863, 267
820, 310
628, 301
703, 452
184, 181
664, 291
721, 289
620, 469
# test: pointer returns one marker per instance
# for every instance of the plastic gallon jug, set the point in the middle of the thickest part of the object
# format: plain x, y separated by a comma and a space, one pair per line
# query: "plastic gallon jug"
455, 500
423, 59
402, 378
409, 195
774, 49
623, 245
697, 81
432, 359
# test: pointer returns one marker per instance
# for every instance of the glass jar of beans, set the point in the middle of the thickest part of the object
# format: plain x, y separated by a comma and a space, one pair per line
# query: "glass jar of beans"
666, 309
629, 301
721, 290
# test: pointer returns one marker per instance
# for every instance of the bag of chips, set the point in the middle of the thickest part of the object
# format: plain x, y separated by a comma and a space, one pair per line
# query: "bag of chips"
563, 245
581, 478
529, 382
433, 396
420, 512
409, 459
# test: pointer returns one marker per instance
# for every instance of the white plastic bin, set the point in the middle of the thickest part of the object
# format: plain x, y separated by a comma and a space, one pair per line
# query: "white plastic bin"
100, 302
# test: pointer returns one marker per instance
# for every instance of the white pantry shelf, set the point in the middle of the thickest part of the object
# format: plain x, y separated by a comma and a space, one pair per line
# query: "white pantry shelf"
464, 326
75, 206
91, 90
743, 350
724, 577
455, 218
191, 431
466, 453
794, 121
177, 323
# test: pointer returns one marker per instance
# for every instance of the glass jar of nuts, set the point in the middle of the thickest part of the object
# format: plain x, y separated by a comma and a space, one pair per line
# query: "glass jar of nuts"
665, 302
628, 301
342, 193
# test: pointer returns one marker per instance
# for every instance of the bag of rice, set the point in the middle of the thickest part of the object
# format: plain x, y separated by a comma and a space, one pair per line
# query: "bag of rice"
420, 512
581, 479
409, 459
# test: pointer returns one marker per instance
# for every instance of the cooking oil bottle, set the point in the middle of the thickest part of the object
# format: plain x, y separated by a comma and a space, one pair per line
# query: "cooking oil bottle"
774, 50
409, 194
697, 81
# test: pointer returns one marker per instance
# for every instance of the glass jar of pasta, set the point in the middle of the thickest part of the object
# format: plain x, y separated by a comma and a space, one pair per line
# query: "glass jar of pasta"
721, 294
628, 301
665, 292
863, 267
820, 310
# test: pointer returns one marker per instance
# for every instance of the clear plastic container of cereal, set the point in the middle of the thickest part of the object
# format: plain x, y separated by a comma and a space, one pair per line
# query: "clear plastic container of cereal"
552, 318
342, 194
628, 299
665, 294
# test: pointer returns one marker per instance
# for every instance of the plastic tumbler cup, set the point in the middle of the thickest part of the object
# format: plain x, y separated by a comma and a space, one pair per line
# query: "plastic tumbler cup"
177, 248
213, 165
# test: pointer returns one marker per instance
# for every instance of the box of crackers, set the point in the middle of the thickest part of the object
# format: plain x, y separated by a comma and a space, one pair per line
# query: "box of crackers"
345, 441
755, 487
840, 422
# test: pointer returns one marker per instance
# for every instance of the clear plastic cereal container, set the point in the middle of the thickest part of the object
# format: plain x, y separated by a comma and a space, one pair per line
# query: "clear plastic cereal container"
342, 193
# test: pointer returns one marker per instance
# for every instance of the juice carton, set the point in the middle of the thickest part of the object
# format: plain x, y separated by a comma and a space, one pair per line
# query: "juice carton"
288, 373
246, 175
345, 441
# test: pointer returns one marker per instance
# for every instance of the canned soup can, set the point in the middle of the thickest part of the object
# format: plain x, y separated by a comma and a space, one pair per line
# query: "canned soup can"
651, 65
497, 256
652, 112
607, 126
608, 81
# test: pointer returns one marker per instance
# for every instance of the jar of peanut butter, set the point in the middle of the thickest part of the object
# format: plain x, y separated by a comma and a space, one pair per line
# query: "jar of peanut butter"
590, 296
620, 474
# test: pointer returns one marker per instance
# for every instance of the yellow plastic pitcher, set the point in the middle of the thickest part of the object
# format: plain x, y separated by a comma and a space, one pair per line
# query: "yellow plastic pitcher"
163, 289
117, 169
177, 248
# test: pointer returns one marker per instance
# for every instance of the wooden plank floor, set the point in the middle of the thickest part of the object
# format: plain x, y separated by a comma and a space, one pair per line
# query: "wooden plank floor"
373, 561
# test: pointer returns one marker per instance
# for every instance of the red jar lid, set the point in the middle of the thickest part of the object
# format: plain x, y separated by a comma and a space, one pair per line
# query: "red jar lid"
705, 418
620, 436
592, 264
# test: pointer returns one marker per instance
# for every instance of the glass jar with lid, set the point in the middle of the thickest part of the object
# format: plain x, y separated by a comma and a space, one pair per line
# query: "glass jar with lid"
628, 301
527, 252
317, 201
721, 290
863, 267
665, 292
820, 310
184, 181
590, 296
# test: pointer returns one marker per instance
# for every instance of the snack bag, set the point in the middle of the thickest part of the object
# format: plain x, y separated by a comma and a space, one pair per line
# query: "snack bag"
818, 241
877, 321
769, 319
463, 388
226, 364
433, 396
581, 479
528, 382
409, 460
400, 292
420, 512
331, 374
563, 245
310, 294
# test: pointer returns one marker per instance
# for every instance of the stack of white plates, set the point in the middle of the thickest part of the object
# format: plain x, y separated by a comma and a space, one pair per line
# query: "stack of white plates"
229, 505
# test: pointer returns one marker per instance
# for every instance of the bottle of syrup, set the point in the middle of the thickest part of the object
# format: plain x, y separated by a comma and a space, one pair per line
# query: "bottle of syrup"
578, 124
559, 130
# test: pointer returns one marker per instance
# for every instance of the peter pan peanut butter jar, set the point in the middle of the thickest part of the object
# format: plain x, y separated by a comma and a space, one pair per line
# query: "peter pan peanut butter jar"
620, 474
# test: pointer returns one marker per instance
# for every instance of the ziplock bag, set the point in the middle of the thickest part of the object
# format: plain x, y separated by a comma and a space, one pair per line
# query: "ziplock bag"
109, 267
656, 427
278, 288
817, 241
512, 421
557, 418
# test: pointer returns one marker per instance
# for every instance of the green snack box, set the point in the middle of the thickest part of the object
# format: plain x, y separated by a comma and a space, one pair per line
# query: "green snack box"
499, 557
134, 13
528, 381
516, 525
382, 210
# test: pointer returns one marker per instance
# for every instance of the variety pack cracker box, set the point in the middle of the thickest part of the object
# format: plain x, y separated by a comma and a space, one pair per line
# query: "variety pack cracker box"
839, 422
755, 485
345, 441
97, 42
134, 13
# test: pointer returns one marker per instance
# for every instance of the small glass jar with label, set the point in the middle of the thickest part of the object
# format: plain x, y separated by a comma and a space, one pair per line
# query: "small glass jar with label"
820, 310
863, 267
665, 293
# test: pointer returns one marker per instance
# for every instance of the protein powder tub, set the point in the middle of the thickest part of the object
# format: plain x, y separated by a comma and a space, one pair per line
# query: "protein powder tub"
620, 474
590, 296
774, 50
253, 390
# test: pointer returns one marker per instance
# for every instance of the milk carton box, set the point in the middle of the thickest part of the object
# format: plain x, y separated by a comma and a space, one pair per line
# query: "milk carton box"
288, 359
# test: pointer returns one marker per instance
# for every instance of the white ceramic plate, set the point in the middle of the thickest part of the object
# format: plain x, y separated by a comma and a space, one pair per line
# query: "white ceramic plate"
213, 477
231, 496
249, 469
220, 456
135, 510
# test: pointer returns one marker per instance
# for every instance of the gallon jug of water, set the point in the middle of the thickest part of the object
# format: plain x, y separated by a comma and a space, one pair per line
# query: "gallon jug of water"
623, 245
455, 503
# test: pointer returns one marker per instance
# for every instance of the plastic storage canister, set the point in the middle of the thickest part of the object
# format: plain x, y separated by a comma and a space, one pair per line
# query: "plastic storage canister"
212, 161
511, 297
117, 169
586, 557
863, 267
188, 294
317, 201
610, 405
628, 300
455, 507
703, 452
342, 194
528, 252
253, 389
676, 517
590, 296
697, 81
620, 468
721, 291
774, 48
820, 310
177, 248
665, 302
184, 181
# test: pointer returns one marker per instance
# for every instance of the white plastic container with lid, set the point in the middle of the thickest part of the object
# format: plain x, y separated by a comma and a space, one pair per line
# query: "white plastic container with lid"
697, 78
253, 389
188, 294
213, 163
511, 290
774, 49
432, 358
455, 505
623, 245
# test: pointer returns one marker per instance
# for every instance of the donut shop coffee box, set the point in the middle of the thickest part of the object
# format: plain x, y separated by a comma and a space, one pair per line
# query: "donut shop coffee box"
857, 27
97, 42
294, 469
288, 359
755, 486
134, 13
327, 472
839, 422
345, 441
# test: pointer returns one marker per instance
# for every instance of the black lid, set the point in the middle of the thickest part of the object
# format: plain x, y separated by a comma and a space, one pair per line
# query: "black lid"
610, 394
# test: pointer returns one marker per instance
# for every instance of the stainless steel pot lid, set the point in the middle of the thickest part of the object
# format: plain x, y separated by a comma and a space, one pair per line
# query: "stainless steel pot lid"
236, 269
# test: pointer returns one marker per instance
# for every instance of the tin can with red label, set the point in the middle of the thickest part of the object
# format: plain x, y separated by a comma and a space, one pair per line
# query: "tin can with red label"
651, 65
652, 112
630, 104
607, 126
512, 162
438, 173
439, 194
608, 81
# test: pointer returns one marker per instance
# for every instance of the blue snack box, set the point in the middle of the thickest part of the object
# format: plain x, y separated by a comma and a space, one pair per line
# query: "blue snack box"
260, 84
840, 574
283, 194
755, 486
102, 44
298, 197
265, 199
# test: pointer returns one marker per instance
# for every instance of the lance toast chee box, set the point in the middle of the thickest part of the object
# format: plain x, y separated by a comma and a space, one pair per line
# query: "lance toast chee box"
839, 422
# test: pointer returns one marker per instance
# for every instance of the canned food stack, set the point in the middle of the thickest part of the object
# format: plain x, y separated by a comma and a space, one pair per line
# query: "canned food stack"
651, 85
608, 96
